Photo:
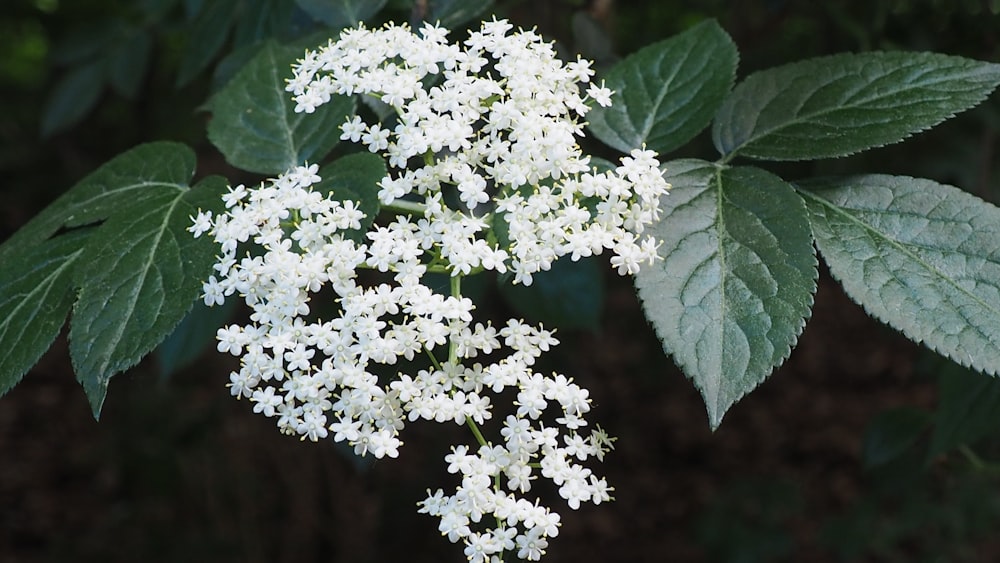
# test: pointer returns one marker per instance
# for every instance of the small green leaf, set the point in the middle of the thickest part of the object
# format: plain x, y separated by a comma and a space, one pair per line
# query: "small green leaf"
568, 296
73, 98
254, 123
735, 286
842, 104
968, 408
105, 190
205, 37
140, 274
355, 177
341, 13
35, 298
666, 93
451, 14
921, 256
128, 62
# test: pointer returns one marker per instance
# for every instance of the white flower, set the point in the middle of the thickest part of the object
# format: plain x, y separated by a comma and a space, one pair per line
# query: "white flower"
485, 173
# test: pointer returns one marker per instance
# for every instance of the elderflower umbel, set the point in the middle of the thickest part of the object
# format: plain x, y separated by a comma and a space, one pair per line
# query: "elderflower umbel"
492, 123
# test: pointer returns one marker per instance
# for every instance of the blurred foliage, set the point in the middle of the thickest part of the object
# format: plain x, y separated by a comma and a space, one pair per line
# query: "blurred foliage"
83, 80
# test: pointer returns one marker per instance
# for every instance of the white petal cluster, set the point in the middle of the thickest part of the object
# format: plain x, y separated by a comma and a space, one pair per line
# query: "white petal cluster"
490, 129
496, 120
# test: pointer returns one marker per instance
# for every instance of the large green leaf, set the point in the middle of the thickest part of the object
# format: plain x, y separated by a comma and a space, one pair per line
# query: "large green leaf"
842, 104
341, 13
735, 286
35, 298
254, 123
666, 93
104, 191
921, 256
140, 274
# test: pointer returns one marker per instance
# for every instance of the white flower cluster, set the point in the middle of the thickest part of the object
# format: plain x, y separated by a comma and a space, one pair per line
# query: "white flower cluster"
498, 126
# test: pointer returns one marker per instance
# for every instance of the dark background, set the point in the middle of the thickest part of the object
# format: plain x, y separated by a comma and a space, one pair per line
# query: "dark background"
176, 470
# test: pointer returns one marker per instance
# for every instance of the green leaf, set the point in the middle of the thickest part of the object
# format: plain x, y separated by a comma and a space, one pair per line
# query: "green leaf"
35, 298
104, 191
842, 104
128, 62
666, 93
355, 177
453, 13
73, 98
735, 286
138, 277
968, 408
920, 256
254, 123
205, 37
262, 19
341, 13
192, 336
568, 296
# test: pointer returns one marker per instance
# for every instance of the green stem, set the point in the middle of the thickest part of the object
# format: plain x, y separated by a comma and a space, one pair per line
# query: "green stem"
406, 206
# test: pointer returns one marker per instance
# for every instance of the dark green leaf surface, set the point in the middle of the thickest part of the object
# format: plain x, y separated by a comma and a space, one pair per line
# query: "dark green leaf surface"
666, 93
341, 13
453, 13
73, 97
842, 104
569, 296
128, 62
138, 277
736, 283
921, 256
254, 123
355, 177
104, 191
968, 408
192, 336
891, 434
35, 298
207, 35
261, 20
